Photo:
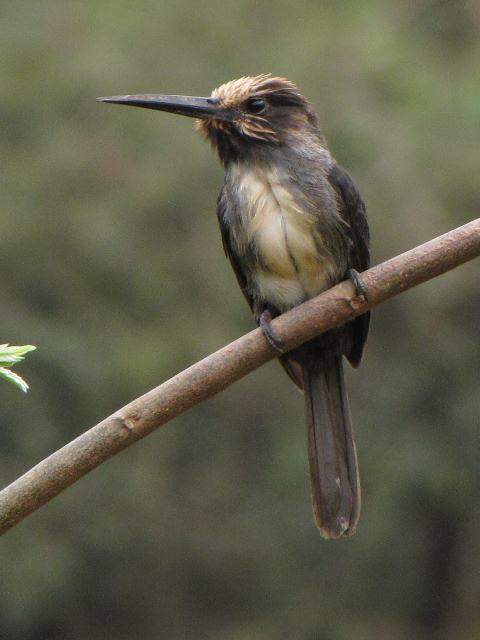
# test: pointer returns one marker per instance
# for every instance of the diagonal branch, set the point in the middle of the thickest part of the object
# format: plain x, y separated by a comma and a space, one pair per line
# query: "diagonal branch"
220, 369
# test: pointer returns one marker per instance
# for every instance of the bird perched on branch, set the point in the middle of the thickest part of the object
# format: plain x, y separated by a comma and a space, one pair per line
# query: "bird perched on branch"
293, 224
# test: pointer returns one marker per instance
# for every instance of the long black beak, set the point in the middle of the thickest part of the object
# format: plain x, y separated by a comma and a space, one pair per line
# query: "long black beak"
183, 105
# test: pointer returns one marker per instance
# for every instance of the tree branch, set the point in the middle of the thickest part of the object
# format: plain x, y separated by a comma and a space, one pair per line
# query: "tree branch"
220, 369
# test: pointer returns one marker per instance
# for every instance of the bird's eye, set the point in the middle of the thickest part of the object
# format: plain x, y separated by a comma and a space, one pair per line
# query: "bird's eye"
256, 105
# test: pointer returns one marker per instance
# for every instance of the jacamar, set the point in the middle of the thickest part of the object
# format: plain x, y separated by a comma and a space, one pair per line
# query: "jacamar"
293, 224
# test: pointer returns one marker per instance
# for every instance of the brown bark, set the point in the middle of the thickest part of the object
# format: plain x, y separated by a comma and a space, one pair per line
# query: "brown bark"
220, 369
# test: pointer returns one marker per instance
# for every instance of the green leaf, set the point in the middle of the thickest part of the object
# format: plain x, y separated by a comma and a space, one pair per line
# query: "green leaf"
10, 355
21, 351
18, 351
7, 361
14, 378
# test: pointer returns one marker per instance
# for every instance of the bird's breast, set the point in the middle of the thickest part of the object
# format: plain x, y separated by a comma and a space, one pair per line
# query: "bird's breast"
290, 261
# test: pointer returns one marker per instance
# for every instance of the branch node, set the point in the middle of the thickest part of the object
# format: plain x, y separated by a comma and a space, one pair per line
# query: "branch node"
126, 424
353, 302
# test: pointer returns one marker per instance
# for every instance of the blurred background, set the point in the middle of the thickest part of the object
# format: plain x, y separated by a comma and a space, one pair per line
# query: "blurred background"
112, 264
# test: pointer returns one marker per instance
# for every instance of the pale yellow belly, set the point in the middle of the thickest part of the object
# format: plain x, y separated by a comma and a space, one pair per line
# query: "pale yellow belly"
294, 271
291, 267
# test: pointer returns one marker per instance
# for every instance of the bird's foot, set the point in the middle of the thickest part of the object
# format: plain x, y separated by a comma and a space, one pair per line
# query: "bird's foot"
358, 283
270, 335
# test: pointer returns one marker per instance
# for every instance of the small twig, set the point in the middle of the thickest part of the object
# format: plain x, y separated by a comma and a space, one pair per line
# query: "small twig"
220, 369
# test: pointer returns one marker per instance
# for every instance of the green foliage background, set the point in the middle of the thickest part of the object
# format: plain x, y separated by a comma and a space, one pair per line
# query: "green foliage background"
112, 265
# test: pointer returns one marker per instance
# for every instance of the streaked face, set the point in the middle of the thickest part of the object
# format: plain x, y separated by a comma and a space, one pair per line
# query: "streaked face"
260, 108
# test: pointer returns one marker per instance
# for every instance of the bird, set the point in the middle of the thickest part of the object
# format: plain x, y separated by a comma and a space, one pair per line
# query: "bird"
293, 224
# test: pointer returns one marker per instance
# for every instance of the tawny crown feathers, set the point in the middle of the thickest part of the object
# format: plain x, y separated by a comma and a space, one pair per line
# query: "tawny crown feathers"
235, 92
235, 95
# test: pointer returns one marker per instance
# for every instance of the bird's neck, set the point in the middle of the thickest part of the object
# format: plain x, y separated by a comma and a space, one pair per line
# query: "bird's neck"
295, 146
291, 162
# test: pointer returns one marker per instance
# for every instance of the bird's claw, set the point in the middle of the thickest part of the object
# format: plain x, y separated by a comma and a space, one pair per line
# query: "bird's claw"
358, 283
270, 335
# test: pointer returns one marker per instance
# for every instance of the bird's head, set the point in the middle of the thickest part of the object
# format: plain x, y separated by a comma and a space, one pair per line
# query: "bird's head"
240, 115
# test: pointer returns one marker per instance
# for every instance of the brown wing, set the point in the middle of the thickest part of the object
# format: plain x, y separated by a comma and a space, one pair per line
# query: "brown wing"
354, 213
227, 246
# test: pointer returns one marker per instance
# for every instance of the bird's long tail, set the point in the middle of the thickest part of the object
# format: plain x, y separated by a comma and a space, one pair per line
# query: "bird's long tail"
331, 446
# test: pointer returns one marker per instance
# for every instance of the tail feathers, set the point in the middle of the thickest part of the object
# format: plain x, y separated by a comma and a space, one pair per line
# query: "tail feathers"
331, 446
